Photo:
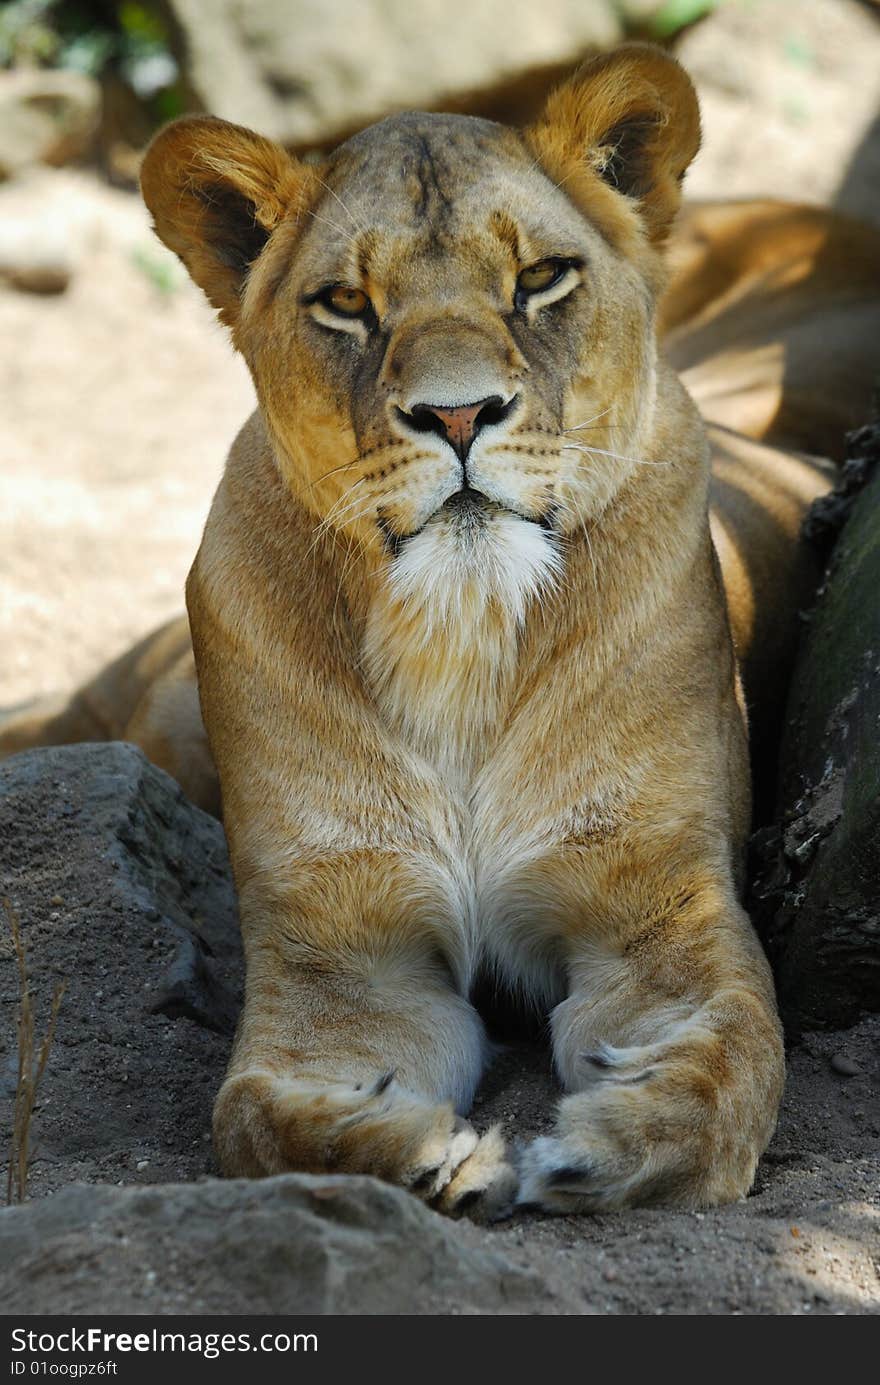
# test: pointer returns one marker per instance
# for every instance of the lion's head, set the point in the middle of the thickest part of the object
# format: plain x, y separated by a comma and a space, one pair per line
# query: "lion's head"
449, 323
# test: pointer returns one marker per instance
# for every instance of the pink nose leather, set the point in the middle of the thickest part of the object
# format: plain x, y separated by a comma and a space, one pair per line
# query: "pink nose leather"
459, 424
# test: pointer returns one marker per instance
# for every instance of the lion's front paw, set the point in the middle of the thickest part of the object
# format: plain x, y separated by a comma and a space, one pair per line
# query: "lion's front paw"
568, 1176
265, 1124
621, 1146
484, 1184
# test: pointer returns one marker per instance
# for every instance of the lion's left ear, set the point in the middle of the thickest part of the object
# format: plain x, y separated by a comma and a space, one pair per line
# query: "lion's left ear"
631, 118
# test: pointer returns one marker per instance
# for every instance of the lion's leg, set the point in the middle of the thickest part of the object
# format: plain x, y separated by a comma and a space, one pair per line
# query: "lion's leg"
357, 1046
355, 1054
670, 1049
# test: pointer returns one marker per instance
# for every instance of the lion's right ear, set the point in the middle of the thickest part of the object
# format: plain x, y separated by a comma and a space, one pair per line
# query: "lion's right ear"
216, 192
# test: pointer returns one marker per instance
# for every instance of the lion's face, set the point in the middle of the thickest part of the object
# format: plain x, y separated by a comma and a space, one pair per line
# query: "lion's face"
450, 325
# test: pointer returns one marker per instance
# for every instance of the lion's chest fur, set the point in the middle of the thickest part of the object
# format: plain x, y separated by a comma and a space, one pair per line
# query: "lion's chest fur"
453, 695
442, 638
443, 689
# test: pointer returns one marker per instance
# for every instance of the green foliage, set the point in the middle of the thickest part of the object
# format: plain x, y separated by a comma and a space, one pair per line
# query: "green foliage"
25, 34
126, 38
678, 14
159, 268
799, 51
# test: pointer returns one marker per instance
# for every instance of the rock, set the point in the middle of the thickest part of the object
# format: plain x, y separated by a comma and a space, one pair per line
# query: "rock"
293, 1244
46, 116
829, 512
192, 988
47, 224
146, 848
818, 891
37, 256
845, 1066
789, 94
55, 222
308, 73
147, 939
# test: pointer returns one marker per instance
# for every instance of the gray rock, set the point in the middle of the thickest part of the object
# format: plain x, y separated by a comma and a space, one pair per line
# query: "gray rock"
156, 853
294, 1244
48, 117
306, 73
818, 892
845, 1066
146, 936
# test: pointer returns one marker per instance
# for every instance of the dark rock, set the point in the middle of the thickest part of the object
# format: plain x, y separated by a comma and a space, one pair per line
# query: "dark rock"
192, 988
817, 892
828, 514
147, 939
845, 1066
144, 842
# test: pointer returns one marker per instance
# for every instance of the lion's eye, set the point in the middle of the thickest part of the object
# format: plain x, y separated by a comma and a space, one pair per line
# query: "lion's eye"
345, 301
543, 275
553, 277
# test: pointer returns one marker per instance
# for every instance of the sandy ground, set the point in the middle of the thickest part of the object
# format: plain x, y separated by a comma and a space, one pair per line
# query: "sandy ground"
118, 401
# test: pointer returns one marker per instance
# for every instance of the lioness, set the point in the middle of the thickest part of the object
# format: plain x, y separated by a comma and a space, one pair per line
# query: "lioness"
463, 650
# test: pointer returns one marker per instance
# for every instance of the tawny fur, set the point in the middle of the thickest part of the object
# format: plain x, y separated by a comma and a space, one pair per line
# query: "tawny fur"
501, 735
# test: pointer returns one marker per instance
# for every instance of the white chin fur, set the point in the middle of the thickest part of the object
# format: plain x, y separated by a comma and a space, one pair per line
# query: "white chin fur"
455, 567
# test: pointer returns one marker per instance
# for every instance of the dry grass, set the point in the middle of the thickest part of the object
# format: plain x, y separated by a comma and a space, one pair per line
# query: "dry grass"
29, 1072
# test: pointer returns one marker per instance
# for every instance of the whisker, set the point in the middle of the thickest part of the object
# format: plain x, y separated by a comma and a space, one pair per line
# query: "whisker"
334, 513
339, 511
337, 504
617, 456
593, 428
578, 426
354, 513
346, 466
356, 548
344, 205
327, 222
570, 174
534, 164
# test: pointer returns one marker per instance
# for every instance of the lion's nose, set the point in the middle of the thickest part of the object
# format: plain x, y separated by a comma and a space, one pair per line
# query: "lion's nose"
458, 425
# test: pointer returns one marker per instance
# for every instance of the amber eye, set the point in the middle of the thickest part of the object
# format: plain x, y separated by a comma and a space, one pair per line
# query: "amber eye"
542, 275
345, 301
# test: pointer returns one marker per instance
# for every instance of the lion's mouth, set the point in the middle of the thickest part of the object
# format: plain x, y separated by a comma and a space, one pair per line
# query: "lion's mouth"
469, 506
473, 509
469, 510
